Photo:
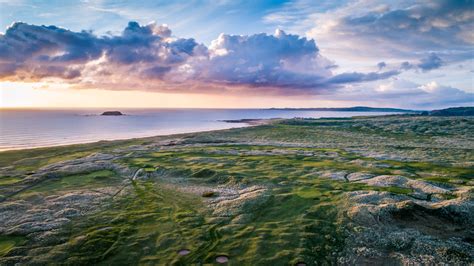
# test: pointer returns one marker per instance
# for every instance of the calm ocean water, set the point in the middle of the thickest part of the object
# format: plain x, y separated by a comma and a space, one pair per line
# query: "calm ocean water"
39, 128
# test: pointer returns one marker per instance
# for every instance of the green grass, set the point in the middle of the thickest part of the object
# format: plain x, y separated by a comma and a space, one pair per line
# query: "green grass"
7, 243
90, 180
300, 219
9, 180
151, 224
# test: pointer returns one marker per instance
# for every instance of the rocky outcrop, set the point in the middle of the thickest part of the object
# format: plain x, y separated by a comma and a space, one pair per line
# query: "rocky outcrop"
112, 113
419, 186
41, 214
389, 228
352, 177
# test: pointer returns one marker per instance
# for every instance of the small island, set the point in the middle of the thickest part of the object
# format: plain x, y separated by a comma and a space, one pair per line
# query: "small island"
112, 113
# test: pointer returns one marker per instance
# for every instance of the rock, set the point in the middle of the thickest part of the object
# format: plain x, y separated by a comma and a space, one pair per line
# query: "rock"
420, 196
375, 197
67, 213
405, 231
31, 227
400, 240
358, 176
339, 175
112, 113
48, 238
13, 206
403, 182
247, 201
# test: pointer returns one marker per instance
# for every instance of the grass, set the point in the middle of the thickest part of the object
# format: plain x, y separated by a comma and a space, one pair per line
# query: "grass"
300, 218
8, 243
9, 180
101, 178
149, 225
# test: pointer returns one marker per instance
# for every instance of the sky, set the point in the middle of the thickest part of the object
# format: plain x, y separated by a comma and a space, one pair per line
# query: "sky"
237, 54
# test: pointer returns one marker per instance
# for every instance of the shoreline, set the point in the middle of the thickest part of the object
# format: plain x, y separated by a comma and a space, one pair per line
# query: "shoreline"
253, 121
51, 130
244, 122
64, 145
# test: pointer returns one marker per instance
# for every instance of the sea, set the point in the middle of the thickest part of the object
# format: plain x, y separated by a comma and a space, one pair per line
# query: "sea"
28, 128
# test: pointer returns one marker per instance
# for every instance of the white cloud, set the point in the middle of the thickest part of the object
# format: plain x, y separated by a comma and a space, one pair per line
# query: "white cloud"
149, 57
404, 93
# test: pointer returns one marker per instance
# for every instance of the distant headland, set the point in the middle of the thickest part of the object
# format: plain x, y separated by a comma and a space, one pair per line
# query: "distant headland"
453, 111
352, 109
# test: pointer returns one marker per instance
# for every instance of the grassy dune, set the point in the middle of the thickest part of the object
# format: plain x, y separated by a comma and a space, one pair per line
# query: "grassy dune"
297, 212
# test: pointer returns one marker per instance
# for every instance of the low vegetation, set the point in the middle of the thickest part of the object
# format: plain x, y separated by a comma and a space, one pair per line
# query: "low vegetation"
288, 192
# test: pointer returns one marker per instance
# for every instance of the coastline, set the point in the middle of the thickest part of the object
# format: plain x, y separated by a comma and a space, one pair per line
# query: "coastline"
292, 180
244, 123
33, 129
123, 139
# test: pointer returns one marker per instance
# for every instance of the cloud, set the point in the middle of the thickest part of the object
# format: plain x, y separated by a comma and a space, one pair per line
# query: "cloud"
406, 65
381, 65
430, 62
408, 28
149, 57
404, 93
147, 44
280, 60
425, 64
356, 77
30, 52
23, 42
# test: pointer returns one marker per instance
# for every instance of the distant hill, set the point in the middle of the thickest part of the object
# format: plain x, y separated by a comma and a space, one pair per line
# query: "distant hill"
352, 109
455, 111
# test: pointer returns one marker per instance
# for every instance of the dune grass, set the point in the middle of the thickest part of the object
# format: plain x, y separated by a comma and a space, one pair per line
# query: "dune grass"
301, 219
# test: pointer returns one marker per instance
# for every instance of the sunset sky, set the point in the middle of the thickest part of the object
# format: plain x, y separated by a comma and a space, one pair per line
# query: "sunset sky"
231, 54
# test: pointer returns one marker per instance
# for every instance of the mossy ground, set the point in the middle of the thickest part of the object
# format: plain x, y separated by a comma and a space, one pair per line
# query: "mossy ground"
301, 220
9, 180
7, 243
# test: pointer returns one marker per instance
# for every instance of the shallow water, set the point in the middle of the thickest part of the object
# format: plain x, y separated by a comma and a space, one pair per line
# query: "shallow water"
40, 128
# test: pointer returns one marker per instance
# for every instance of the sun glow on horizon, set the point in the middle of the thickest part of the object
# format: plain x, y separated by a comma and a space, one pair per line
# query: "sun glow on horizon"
59, 95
